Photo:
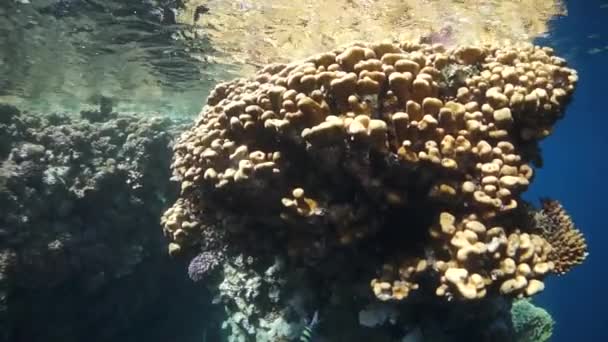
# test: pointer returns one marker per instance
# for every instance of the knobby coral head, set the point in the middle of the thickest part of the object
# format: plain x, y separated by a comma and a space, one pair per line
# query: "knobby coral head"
201, 265
414, 150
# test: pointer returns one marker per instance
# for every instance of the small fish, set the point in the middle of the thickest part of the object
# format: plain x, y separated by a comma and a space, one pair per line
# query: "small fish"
199, 11
308, 331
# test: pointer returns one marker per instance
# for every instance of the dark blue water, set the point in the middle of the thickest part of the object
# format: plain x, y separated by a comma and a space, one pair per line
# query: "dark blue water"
576, 172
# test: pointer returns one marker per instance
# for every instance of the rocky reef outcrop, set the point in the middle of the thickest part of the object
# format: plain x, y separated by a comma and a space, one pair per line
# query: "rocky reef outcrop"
81, 256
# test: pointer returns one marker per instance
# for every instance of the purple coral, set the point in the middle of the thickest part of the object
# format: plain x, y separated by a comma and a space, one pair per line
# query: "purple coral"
202, 264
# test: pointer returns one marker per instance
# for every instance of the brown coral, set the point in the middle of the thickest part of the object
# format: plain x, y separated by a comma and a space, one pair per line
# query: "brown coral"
352, 144
556, 226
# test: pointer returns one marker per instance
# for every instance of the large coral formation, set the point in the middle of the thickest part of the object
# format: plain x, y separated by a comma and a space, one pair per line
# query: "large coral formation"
414, 151
556, 226
267, 300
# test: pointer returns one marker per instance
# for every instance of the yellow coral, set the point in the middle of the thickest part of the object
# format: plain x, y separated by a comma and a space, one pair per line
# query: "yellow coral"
367, 128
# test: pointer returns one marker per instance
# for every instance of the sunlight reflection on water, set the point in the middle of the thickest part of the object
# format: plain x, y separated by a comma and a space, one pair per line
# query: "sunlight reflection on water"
157, 56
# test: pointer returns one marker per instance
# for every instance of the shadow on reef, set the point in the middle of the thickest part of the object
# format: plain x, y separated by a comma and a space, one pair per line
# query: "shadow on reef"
274, 303
81, 253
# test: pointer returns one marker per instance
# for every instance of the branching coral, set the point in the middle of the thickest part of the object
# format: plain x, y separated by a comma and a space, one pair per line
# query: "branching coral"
556, 226
419, 151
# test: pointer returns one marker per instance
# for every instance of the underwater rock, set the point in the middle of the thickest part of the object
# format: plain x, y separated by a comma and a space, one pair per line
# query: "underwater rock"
81, 253
267, 301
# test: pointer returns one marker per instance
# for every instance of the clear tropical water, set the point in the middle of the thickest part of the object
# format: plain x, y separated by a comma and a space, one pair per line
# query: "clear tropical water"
163, 57
575, 166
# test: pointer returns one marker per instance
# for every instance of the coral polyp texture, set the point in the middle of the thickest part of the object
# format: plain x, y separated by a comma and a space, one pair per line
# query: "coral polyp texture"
409, 153
556, 226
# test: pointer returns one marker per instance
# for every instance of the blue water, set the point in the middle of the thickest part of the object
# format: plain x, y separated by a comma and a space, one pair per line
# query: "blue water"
576, 171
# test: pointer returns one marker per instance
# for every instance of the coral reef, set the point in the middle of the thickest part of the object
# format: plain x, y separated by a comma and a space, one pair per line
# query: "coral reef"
267, 300
531, 323
81, 254
416, 149
556, 226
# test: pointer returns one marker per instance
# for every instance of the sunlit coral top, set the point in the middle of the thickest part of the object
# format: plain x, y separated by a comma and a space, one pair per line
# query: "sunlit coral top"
259, 32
